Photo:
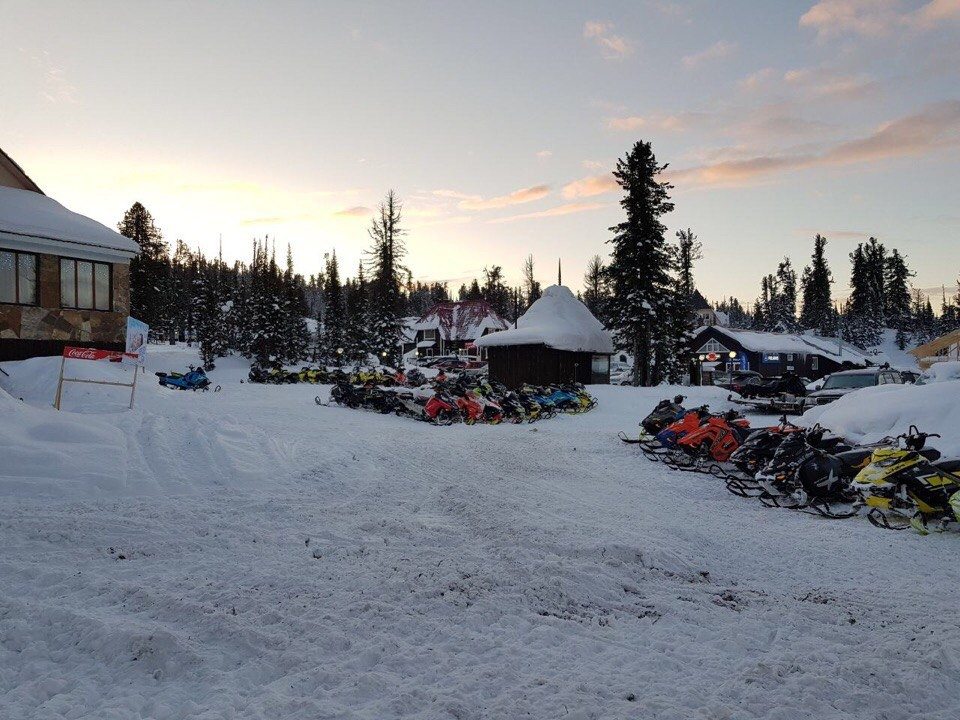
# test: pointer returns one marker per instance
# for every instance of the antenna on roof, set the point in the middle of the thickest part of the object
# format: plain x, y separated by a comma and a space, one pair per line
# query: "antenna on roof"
559, 277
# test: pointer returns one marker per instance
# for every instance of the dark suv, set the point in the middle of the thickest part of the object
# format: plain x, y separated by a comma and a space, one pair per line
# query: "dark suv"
848, 381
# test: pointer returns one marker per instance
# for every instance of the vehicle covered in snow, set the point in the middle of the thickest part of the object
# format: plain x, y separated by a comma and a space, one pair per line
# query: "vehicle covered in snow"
843, 383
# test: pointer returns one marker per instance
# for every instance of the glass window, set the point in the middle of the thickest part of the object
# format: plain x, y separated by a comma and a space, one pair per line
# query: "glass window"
27, 277
102, 286
8, 277
68, 283
84, 285
18, 277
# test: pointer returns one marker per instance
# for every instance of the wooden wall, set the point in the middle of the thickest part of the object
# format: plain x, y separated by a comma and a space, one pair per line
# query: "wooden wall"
514, 365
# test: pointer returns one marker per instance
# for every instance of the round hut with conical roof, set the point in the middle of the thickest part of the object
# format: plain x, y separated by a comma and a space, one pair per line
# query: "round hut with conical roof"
557, 340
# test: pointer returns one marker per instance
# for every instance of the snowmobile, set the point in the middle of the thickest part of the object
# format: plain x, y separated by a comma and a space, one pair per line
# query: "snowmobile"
760, 446
717, 437
194, 379
902, 483
563, 400
312, 375
415, 378
788, 383
666, 412
672, 433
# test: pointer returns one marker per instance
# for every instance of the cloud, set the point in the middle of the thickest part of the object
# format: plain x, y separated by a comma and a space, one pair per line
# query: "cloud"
567, 209
594, 165
821, 82
717, 51
663, 123
836, 234
757, 80
875, 18
612, 47
932, 129
455, 195
354, 212
545, 154
517, 197
590, 186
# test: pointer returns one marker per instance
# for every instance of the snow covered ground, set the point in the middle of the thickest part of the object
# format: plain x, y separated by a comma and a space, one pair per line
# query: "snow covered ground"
249, 554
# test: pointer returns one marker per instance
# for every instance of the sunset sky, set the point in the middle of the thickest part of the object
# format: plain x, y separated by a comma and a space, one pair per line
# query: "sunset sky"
498, 124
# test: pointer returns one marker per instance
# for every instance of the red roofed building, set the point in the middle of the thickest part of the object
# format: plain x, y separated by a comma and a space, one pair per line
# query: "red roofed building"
452, 327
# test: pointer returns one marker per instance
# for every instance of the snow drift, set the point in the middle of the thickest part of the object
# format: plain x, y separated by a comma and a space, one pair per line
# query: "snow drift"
875, 412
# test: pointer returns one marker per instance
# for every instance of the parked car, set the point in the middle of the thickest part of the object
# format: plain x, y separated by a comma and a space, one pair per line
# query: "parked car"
843, 383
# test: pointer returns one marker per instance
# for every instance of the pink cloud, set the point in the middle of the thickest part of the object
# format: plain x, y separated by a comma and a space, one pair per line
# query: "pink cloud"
590, 186
875, 18
821, 82
663, 123
567, 209
517, 197
931, 130
717, 51
355, 211
612, 47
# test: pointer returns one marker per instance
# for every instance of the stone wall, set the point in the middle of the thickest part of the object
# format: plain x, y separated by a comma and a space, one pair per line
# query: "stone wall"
51, 322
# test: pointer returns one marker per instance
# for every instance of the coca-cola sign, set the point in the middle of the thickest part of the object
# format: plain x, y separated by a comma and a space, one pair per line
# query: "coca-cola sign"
78, 353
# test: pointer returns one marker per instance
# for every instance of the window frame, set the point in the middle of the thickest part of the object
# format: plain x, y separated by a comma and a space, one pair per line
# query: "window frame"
76, 284
432, 334
16, 278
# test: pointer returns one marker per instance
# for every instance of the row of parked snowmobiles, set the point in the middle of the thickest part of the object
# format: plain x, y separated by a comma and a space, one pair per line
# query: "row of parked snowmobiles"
465, 400
325, 376
897, 482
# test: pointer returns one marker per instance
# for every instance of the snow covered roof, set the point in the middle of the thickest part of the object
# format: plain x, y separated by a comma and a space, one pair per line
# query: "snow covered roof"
465, 320
772, 342
34, 221
557, 320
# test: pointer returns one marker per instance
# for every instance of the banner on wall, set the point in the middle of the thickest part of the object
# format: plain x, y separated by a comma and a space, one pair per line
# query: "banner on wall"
137, 333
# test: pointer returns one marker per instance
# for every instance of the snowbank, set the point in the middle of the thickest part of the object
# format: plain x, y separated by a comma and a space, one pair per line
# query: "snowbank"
557, 320
875, 412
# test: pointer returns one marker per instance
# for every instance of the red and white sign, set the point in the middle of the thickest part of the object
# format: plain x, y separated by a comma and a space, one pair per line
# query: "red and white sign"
713, 357
78, 353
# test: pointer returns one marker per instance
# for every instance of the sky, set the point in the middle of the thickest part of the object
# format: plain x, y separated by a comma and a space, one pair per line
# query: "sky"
498, 125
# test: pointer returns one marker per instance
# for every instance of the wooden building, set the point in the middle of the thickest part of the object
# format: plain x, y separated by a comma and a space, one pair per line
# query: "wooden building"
723, 349
452, 328
64, 278
557, 340
944, 348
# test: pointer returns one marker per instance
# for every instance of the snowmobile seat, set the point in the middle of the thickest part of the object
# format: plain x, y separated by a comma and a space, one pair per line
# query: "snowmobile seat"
950, 465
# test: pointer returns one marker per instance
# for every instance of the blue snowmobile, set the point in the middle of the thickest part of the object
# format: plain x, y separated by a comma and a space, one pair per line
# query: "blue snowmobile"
195, 379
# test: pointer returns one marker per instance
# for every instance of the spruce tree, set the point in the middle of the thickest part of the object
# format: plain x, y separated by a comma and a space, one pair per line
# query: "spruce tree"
639, 270
334, 322
210, 307
495, 292
357, 345
865, 310
531, 288
896, 295
149, 271
595, 287
817, 308
386, 264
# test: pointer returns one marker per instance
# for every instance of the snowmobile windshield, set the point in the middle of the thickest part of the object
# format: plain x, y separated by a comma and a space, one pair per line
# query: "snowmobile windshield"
847, 382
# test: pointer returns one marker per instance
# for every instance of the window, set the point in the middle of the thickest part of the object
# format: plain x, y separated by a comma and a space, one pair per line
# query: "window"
789, 357
429, 334
84, 285
815, 362
18, 277
713, 346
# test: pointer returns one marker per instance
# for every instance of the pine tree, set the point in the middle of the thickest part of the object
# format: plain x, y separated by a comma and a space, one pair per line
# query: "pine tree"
358, 342
386, 263
896, 295
149, 271
210, 305
296, 334
334, 322
817, 311
783, 303
531, 288
865, 310
595, 287
639, 270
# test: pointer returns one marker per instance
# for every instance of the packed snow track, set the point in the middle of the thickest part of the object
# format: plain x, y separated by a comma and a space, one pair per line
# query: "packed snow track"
252, 555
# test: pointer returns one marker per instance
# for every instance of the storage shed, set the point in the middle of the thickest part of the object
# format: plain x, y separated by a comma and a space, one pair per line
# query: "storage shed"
557, 340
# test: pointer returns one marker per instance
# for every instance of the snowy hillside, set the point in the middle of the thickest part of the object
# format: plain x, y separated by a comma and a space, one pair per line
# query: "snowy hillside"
249, 554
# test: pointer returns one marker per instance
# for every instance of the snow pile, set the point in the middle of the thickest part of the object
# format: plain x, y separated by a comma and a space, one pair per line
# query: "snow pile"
876, 412
23, 212
942, 372
557, 320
